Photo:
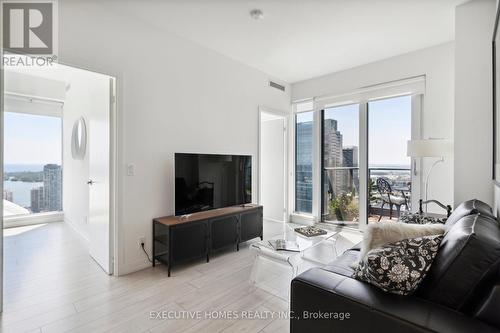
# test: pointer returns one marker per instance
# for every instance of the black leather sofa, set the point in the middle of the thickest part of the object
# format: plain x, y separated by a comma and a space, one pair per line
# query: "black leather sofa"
461, 292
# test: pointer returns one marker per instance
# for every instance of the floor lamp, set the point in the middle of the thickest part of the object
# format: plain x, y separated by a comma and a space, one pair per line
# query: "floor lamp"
437, 148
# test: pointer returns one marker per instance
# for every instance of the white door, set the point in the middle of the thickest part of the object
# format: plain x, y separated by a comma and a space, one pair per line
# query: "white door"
272, 166
99, 130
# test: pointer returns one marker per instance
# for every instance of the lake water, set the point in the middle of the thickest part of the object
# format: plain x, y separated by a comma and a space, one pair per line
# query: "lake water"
21, 191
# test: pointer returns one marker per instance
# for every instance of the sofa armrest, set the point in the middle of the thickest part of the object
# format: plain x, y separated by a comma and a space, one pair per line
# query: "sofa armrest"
322, 301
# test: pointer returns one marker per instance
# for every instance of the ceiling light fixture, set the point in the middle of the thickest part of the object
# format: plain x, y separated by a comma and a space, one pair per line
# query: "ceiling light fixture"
256, 14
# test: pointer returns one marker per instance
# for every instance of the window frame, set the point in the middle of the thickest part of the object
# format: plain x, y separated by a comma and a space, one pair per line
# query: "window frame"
414, 86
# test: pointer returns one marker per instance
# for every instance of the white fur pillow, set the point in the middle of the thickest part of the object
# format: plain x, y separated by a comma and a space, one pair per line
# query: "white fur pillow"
381, 233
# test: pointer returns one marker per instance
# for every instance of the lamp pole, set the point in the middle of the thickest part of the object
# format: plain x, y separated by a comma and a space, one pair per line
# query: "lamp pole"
427, 178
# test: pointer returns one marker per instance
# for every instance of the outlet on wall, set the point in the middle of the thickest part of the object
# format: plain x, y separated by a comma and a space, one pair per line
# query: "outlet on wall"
142, 240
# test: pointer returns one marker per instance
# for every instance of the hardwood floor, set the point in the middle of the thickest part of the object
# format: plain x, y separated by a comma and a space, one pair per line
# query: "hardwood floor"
52, 285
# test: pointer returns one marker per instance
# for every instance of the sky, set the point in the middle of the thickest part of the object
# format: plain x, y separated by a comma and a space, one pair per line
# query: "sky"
389, 128
347, 122
31, 139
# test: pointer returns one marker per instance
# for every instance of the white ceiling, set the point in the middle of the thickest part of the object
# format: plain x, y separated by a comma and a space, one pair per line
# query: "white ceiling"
301, 39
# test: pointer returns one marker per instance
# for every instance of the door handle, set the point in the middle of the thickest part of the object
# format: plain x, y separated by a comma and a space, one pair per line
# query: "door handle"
90, 182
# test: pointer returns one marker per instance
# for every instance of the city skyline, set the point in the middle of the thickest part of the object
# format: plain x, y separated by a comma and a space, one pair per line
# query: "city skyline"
389, 128
43, 196
8, 195
37, 200
33, 154
388, 132
52, 187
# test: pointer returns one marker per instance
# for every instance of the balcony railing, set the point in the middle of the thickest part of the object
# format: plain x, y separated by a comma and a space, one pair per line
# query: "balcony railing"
341, 191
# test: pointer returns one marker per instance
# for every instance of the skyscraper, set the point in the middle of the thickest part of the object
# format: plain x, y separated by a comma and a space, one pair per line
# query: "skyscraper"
52, 185
332, 144
334, 180
303, 171
350, 156
8, 195
37, 200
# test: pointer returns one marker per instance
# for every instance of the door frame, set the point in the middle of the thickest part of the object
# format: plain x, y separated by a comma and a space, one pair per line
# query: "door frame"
1, 164
114, 172
285, 116
113, 176
113, 165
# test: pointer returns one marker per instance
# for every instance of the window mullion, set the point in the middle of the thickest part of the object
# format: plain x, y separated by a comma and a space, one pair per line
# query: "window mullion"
316, 211
363, 164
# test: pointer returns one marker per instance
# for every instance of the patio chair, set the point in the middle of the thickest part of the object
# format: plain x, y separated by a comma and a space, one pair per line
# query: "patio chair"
389, 197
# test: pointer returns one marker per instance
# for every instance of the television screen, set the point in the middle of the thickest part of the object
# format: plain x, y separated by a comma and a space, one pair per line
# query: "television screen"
209, 181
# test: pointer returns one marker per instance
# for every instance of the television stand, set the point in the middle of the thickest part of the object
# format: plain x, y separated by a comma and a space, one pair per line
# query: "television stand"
193, 236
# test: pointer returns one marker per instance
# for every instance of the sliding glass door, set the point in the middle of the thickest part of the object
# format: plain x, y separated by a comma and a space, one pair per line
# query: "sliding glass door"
365, 173
340, 168
389, 169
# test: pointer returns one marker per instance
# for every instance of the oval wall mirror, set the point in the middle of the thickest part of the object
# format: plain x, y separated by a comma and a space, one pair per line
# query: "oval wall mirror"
79, 139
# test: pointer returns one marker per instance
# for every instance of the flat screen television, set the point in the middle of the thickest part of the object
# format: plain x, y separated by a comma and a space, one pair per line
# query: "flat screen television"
209, 181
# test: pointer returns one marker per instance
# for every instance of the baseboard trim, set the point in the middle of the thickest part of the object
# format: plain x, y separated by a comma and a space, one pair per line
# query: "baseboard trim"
133, 267
273, 220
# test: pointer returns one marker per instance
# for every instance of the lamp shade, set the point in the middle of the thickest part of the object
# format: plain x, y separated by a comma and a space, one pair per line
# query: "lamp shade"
429, 148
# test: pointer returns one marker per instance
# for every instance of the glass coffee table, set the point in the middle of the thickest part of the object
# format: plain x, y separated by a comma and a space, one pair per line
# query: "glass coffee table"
265, 254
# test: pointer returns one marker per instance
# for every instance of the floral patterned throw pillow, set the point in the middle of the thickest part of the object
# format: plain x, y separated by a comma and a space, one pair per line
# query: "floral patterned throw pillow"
416, 218
399, 267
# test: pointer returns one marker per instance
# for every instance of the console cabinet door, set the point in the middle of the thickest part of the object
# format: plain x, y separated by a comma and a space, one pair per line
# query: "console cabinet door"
189, 241
160, 242
224, 231
251, 225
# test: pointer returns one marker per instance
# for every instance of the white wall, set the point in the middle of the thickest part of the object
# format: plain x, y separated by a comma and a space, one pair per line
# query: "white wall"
272, 154
33, 85
85, 93
473, 99
173, 96
437, 64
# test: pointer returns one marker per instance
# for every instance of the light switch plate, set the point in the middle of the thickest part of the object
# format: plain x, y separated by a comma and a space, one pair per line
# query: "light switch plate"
130, 170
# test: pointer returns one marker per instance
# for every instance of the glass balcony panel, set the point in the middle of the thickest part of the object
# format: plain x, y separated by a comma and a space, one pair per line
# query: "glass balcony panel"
379, 208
